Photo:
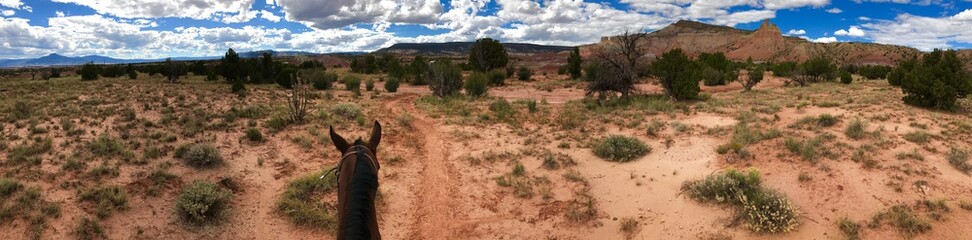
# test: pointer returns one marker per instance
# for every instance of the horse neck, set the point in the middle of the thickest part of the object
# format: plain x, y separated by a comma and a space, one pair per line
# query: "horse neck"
360, 197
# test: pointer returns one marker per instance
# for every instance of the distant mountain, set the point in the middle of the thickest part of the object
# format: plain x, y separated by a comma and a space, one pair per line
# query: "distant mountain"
60, 60
765, 44
462, 48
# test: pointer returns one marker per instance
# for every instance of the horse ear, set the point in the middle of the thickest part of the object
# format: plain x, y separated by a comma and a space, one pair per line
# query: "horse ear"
339, 142
375, 138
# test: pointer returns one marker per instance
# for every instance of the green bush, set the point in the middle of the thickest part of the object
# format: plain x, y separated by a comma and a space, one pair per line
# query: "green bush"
524, 74
477, 84
764, 210
783, 69
238, 87
319, 79
107, 146
203, 202
348, 111
392, 84
850, 229
8, 187
254, 135
199, 155
89, 71
300, 201
496, 77
503, 110
956, 157
846, 78
620, 148
935, 81
487, 54
352, 83
902, 217
370, 85
444, 79
677, 75
856, 130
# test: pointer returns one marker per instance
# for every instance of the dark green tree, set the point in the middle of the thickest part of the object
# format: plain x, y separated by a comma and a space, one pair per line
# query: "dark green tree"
488, 54
229, 66
419, 68
675, 71
935, 81
444, 78
394, 68
574, 63
89, 71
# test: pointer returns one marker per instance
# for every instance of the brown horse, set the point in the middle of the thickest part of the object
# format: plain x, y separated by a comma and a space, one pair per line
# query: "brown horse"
357, 175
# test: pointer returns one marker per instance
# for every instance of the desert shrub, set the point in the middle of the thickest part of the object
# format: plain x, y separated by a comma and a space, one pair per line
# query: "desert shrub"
503, 110
21, 110
817, 69
392, 84
960, 160
857, 129
903, 218
764, 210
348, 111
487, 54
89, 229
370, 85
755, 76
920, 137
620, 148
89, 71
418, 69
300, 203
874, 72
845, 77
850, 228
352, 83
238, 87
574, 63
744, 135
254, 135
806, 149
199, 155
277, 123
203, 202
496, 77
444, 79
8, 187
524, 74
108, 146
675, 71
319, 79
935, 81
105, 198
827, 120
783, 69
477, 84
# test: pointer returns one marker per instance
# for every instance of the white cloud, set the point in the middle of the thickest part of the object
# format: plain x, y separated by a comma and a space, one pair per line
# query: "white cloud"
925, 33
195, 9
11, 3
797, 32
269, 16
7, 13
59, 13
784, 4
863, 18
825, 40
853, 31
835, 10
341, 13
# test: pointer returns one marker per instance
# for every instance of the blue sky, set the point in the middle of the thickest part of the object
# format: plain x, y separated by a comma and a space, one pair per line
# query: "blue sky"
161, 28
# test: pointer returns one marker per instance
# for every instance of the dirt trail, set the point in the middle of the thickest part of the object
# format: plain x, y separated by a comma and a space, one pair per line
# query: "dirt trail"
439, 184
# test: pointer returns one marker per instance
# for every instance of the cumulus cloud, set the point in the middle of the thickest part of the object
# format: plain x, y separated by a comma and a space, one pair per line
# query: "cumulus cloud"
853, 31
825, 40
11, 3
269, 16
796, 32
863, 18
341, 13
195, 9
7, 13
835, 10
925, 33
59, 13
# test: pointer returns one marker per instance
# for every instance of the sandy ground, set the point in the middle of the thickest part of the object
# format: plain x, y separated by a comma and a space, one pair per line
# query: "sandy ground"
445, 185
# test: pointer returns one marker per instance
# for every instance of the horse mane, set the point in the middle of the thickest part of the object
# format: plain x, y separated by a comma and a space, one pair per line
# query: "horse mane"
360, 202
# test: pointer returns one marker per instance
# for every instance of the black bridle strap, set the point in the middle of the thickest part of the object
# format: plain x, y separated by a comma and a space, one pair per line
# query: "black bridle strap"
337, 169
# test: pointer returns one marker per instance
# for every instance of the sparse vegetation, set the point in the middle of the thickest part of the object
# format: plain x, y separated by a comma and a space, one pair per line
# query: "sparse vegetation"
903, 218
764, 210
203, 203
300, 203
857, 129
620, 148
106, 199
959, 159
200, 155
